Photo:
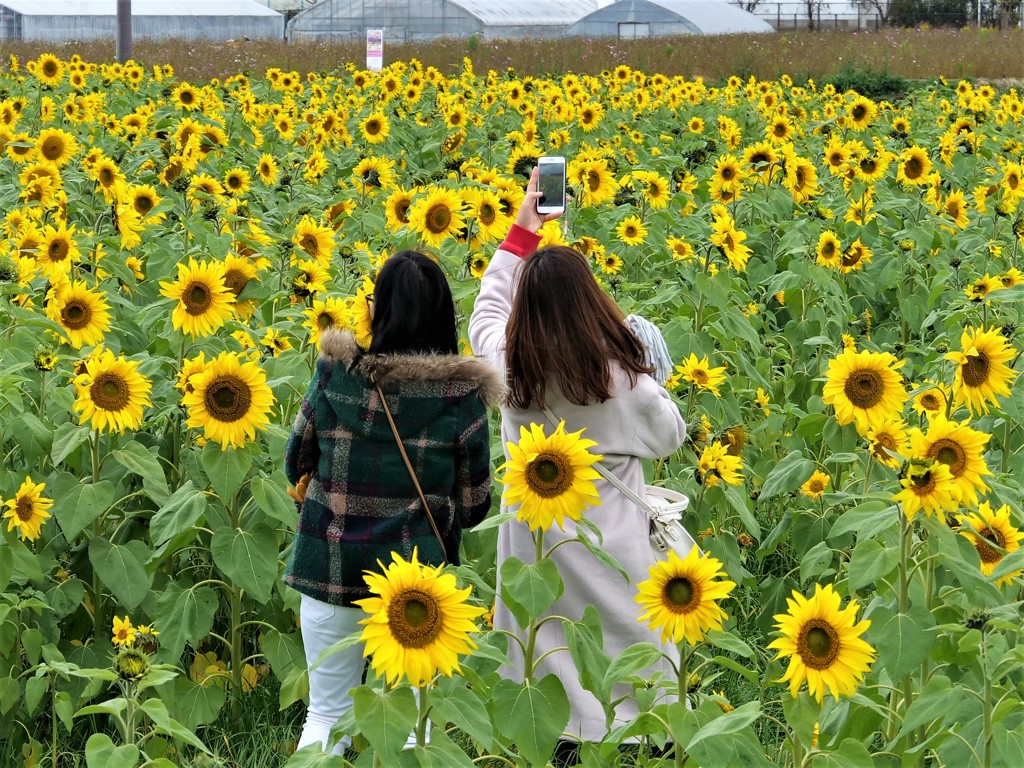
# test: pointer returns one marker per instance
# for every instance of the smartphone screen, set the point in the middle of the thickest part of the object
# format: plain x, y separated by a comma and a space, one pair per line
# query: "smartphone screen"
551, 184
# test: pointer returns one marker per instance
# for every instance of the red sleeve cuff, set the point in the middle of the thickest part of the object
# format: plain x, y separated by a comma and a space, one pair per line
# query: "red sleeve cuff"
521, 242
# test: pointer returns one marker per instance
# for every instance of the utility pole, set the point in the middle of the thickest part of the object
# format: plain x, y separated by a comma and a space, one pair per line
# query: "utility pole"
124, 30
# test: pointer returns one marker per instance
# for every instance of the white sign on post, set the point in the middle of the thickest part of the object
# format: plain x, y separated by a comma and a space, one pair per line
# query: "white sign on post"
374, 49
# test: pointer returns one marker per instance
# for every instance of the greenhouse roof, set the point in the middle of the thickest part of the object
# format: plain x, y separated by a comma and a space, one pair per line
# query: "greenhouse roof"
528, 12
711, 17
139, 8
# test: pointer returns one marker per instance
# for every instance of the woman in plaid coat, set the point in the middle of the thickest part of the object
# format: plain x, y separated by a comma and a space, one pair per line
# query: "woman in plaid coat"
360, 503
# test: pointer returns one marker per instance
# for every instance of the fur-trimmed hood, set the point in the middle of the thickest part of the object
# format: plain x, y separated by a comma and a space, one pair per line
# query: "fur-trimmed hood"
340, 346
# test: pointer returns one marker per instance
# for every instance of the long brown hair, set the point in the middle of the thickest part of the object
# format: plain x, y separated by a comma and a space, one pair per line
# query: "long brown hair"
564, 331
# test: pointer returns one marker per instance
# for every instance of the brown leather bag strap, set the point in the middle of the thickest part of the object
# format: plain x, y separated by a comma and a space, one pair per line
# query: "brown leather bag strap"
408, 466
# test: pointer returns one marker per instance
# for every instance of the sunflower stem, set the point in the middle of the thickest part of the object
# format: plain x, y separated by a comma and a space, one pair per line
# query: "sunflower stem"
534, 628
1006, 445
683, 680
97, 588
986, 703
906, 531
421, 723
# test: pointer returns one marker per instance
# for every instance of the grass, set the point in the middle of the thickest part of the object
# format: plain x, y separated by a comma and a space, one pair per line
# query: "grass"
914, 54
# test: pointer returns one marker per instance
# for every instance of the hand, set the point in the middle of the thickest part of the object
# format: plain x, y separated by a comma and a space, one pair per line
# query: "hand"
299, 491
528, 218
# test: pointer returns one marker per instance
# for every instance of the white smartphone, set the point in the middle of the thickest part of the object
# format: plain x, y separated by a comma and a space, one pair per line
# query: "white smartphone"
551, 185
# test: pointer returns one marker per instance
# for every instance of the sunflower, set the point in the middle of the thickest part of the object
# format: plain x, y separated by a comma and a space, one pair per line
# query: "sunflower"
124, 632
83, 313
961, 449
990, 527
955, 207
700, 373
728, 174
204, 302
485, 208
189, 368
375, 128
324, 314
187, 97
914, 167
888, 441
927, 485
108, 175
608, 263
864, 387
779, 130
315, 239
28, 509
49, 69
373, 173
982, 374
311, 279
823, 643
716, 463
359, 315
730, 242
56, 146
655, 188
437, 216
982, 287
58, 250
931, 400
396, 208
419, 621
275, 342
862, 111
267, 169
111, 393
229, 400
855, 257
681, 596
237, 182
679, 249
815, 485
631, 230
801, 178
549, 477
829, 250
595, 179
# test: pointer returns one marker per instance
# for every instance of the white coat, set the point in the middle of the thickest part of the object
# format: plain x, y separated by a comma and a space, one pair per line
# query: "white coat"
637, 422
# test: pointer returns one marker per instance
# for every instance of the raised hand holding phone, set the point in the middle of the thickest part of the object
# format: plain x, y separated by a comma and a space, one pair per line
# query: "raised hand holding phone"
529, 216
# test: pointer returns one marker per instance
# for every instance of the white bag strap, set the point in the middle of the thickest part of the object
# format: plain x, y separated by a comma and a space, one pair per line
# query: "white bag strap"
608, 475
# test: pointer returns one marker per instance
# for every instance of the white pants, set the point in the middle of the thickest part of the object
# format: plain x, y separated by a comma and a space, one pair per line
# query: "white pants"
322, 626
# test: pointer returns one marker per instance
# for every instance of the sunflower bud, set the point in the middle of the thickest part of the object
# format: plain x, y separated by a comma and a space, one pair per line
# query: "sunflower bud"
131, 663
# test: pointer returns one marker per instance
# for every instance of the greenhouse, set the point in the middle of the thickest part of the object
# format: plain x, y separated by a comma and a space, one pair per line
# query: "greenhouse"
651, 18
64, 20
423, 20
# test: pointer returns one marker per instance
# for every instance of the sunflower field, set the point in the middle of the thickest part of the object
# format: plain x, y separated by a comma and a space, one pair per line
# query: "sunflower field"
837, 278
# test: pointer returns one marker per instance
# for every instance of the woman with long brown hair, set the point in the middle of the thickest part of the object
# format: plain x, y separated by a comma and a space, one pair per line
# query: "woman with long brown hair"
565, 347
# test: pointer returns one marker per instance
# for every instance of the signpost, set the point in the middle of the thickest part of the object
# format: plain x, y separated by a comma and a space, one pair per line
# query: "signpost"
124, 30
374, 49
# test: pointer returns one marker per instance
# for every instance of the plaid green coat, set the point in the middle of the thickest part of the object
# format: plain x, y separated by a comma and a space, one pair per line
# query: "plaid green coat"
361, 503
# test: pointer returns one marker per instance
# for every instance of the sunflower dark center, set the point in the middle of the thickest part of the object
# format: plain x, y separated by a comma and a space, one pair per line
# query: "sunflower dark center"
24, 509
852, 256
975, 370
324, 321
913, 168
681, 595
780, 130
49, 69
235, 281
728, 174
593, 181
75, 315
106, 177
109, 392
198, 298
924, 483
58, 250
818, 644
373, 127
986, 536
868, 165
310, 244
828, 250
549, 475
228, 398
864, 388
950, 453
487, 215
53, 148
414, 618
930, 402
438, 218
859, 112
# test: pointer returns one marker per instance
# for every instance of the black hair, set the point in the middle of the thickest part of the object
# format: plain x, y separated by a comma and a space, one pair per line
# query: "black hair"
413, 311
